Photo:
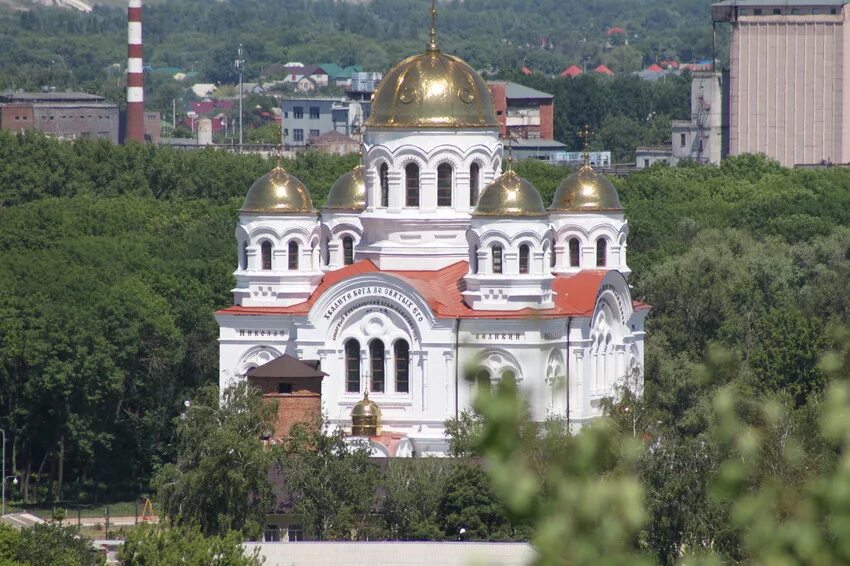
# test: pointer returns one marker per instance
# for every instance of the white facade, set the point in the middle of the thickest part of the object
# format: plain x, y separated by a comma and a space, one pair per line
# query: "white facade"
399, 295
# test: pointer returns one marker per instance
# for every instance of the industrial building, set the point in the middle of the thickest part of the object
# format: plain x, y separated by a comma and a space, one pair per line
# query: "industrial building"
789, 67
66, 115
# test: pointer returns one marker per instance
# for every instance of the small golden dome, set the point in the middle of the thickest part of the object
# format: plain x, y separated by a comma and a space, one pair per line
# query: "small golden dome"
349, 191
510, 195
586, 190
365, 417
278, 192
432, 90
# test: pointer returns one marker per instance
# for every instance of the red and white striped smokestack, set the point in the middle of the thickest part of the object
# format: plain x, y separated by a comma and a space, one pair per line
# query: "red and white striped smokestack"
135, 130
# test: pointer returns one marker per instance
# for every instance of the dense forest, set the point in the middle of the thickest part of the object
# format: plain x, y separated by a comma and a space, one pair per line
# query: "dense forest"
113, 259
54, 46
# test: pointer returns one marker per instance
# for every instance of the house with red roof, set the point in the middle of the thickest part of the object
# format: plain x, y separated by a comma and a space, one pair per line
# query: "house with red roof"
571, 71
603, 70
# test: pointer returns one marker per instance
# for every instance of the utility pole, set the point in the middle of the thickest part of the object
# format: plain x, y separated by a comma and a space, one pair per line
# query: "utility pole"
173, 114
240, 67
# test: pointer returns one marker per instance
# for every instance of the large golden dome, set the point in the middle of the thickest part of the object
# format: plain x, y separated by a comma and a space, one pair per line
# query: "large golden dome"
349, 191
586, 190
432, 90
510, 195
278, 192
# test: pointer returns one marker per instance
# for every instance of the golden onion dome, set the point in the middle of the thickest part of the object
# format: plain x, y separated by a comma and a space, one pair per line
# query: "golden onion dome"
278, 192
586, 190
432, 90
365, 417
510, 195
349, 191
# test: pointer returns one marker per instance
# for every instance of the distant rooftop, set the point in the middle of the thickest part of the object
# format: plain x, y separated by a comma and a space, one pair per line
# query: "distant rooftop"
49, 97
514, 90
726, 11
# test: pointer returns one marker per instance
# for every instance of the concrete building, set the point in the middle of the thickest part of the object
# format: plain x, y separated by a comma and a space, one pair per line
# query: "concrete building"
66, 115
789, 79
305, 118
704, 137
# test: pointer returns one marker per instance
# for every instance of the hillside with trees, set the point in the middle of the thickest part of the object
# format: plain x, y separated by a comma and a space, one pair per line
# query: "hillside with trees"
113, 260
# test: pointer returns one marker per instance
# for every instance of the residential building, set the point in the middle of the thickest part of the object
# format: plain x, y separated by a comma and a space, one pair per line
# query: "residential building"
67, 115
305, 118
524, 112
789, 79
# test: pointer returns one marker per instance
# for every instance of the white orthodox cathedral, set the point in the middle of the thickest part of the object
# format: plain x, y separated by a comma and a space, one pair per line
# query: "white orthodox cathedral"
430, 273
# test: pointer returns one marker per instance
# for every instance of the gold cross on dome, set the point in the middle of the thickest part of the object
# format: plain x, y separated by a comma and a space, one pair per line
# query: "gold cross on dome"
586, 133
432, 43
511, 136
358, 132
278, 150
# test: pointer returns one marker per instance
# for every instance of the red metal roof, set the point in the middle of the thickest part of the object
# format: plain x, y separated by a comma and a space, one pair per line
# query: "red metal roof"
571, 71
655, 68
575, 295
603, 70
526, 71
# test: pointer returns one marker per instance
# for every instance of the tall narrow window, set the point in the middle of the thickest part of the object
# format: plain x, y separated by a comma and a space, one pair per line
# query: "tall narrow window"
497, 258
411, 174
376, 364
292, 252
574, 252
327, 251
266, 254
348, 250
524, 252
352, 366
444, 185
474, 171
401, 353
601, 252
243, 256
552, 257
473, 260
385, 184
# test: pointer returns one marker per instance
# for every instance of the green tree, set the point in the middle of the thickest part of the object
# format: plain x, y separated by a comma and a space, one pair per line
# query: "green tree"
156, 545
47, 543
331, 481
219, 481
412, 491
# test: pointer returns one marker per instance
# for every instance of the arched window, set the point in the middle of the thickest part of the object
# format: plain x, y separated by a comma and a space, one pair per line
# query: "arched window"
292, 253
574, 252
473, 261
266, 254
483, 380
444, 185
601, 252
352, 366
376, 364
401, 353
474, 172
385, 184
348, 250
243, 256
411, 183
552, 257
524, 252
497, 258
326, 246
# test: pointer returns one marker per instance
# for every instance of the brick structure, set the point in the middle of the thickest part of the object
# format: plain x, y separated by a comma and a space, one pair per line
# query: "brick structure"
67, 115
296, 386
526, 112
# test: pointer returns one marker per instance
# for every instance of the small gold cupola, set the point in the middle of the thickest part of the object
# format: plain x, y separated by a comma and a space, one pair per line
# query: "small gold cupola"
365, 417
586, 190
278, 192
